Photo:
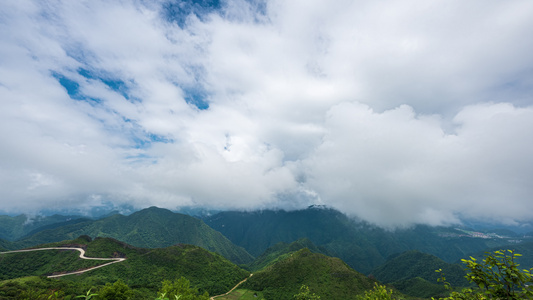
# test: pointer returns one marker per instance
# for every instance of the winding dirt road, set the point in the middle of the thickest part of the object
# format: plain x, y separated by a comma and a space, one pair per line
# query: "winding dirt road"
82, 256
112, 261
212, 298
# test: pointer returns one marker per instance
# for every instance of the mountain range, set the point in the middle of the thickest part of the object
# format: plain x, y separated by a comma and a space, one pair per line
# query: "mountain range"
151, 228
317, 243
361, 245
241, 236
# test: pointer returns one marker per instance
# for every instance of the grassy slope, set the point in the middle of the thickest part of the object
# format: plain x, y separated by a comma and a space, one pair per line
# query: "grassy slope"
326, 276
151, 228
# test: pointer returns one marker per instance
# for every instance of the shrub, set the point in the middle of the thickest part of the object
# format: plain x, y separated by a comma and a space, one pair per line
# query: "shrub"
497, 276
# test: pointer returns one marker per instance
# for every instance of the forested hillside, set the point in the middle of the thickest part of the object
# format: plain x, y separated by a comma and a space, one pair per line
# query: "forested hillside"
411, 264
282, 250
318, 247
4, 245
13, 228
14, 265
525, 249
152, 227
413, 273
328, 277
147, 268
143, 270
361, 245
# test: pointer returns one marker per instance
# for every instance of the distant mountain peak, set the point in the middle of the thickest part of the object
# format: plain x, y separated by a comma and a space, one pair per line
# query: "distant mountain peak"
317, 206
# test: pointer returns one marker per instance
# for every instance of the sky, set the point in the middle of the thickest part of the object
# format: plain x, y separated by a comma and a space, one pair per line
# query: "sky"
395, 112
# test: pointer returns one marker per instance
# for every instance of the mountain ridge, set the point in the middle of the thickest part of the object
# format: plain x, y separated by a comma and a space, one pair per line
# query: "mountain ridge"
363, 246
328, 277
151, 228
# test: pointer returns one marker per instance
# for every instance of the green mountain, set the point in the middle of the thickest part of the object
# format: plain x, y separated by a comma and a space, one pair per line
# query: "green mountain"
281, 251
13, 228
420, 288
150, 228
412, 264
4, 245
361, 245
147, 268
523, 248
414, 268
144, 269
328, 277
56, 225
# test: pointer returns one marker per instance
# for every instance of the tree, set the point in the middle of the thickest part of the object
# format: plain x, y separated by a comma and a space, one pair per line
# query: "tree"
181, 289
379, 292
497, 276
305, 294
116, 291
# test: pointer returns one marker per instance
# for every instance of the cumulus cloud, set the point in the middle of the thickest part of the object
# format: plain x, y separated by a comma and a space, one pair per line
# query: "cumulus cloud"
396, 166
396, 113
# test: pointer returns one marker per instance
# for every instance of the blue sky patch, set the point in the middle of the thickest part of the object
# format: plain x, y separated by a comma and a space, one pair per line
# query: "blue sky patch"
196, 97
177, 11
142, 139
73, 89
114, 84
146, 141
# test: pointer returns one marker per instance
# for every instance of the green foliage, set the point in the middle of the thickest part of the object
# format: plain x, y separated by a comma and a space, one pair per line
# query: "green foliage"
306, 294
330, 277
4, 245
242, 294
40, 288
379, 292
281, 251
412, 264
88, 295
147, 268
181, 289
497, 276
413, 274
525, 248
143, 270
44, 262
362, 246
55, 295
151, 228
116, 291
419, 288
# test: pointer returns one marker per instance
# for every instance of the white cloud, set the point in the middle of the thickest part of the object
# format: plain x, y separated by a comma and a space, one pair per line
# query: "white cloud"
398, 113
396, 167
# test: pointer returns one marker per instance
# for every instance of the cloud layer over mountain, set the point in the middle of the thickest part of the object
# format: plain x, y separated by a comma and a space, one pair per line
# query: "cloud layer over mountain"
397, 113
